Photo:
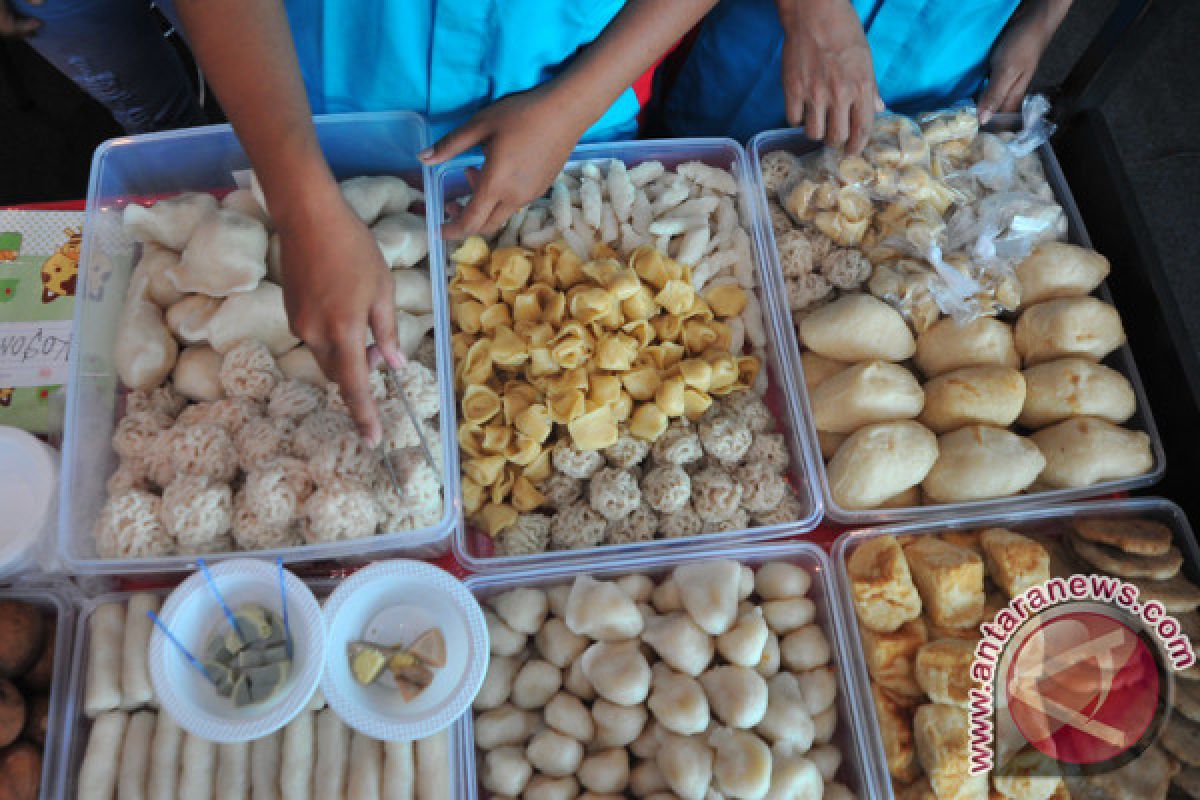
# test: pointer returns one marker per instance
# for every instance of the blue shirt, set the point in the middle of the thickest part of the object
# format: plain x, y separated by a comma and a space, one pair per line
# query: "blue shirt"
928, 54
445, 59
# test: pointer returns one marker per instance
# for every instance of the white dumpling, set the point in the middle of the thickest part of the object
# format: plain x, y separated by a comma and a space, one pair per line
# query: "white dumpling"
258, 314
680, 643
737, 695
709, 593
793, 776
410, 329
600, 610
618, 671
605, 772
144, 352
413, 291
245, 202
170, 222
402, 239
506, 771
554, 754
497, 682
371, 195
502, 639
197, 374
536, 682
524, 610
152, 268
299, 364
617, 725
778, 580
226, 254
504, 725
568, 715
743, 643
742, 767
686, 763
558, 644
787, 718
188, 319
678, 702
639, 587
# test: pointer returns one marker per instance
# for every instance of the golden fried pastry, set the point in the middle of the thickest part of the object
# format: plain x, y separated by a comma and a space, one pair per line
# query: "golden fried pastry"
943, 670
1013, 561
949, 580
1177, 594
890, 656
1126, 565
1028, 776
895, 728
940, 732
1143, 537
967, 539
884, 595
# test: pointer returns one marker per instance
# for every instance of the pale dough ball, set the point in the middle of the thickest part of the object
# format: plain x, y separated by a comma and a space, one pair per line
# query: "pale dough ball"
858, 327
1057, 269
973, 396
875, 391
1085, 451
1075, 387
981, 462
880, 461
982, 342
1076, 326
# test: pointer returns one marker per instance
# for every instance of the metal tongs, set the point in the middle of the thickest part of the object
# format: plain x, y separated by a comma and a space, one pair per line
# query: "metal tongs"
392, 384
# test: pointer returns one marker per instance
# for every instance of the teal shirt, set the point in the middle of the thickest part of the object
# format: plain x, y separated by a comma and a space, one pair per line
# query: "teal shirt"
445, 59
928, 54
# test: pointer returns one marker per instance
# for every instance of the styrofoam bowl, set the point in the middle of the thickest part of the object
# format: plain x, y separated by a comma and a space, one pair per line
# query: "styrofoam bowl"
393, 602
192, 614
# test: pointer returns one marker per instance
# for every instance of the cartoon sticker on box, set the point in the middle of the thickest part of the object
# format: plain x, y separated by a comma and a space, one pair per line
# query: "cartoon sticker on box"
10, 246
60, 271
6, 396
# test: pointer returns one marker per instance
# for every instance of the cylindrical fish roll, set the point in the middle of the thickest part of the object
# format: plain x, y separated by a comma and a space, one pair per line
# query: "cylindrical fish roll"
164, 759
399, 775
233, 771
366, 768
333, 751
433, 766
296, 758
98, 773
136, 689
102, 691
135, 756
264, 767
198, 768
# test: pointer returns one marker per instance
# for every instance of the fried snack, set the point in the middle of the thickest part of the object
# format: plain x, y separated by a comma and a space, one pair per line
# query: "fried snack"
949, 579
940, 732
1056, 269
891, 656
973, 396
980, 343
884, 595
874, 391
1076, 326
1143, 537
1117, 562
981, 462
879, 461
1072, 387
943, 670
1084, 451
895, 728
1014, 562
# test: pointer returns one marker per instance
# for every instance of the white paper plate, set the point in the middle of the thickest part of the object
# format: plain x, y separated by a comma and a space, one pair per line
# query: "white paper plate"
392, 602
28, 477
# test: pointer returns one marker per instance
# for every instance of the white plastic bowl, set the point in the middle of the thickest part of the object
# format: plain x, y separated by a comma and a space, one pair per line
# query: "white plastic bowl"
28, 480
392, 602
192, 614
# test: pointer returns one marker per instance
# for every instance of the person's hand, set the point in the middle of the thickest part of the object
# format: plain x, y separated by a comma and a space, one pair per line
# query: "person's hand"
336, 286
14, 26
1014, 61
828, 76
526, 138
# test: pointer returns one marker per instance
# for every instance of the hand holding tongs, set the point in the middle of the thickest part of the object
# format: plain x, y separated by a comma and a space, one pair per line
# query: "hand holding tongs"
393, 385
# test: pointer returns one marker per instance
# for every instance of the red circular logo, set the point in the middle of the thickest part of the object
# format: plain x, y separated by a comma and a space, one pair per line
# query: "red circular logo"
1083, 687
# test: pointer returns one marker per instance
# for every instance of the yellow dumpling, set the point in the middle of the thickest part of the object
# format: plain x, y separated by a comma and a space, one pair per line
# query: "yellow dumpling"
602, 270
496, 438
470, 441
480, 404
622, 407
572, 350
477, 365
616, 352
667, 327
534, 422
565, 407
485, 291
724, 372
484, 470
601, 251
695, 403
525, 496
664, 355
590, 303
460, 343
539, 469
748, 367
642, 382
511, 268
648, 422
594, 430
726, 300
474, 250
650, 265
541, 362
523, 450
503, 485
641, 330
473, 495
676, 296
605, 390
494, 317
568, 268
508, 349
640, 305
696, 373
699, 336
468, 315
516, 396
570, 379
495, 517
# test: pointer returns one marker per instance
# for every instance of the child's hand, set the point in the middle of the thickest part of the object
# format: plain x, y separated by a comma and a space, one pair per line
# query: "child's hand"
336, 286
526, 138
828, 76
1016, 55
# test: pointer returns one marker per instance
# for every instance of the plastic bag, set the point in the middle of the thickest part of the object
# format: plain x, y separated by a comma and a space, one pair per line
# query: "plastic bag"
998, 168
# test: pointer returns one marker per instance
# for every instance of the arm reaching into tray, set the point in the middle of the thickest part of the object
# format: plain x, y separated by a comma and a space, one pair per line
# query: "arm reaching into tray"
336, 284
528, 136
1017, 52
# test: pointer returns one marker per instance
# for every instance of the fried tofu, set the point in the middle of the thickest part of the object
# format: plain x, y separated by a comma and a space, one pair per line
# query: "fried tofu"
1029, 776
940, 733
890, 656
949, 579
943, 670
884, 595
967, 539
895, 728
1014, 562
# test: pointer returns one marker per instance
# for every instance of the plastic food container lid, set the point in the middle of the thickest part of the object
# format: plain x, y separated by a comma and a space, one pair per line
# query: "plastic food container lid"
192, 614
28, 476
392, 602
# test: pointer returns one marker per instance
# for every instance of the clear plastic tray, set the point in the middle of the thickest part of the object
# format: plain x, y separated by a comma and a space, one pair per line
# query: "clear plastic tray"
202, 159
54, 597
1040, 520
450, 183
849, 739
1121, 360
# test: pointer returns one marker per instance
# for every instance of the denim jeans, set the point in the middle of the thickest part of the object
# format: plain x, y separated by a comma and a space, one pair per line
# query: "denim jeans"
115, 51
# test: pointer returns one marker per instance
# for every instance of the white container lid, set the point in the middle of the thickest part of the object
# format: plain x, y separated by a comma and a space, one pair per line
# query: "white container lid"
28, 479
192, 614
393, 602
